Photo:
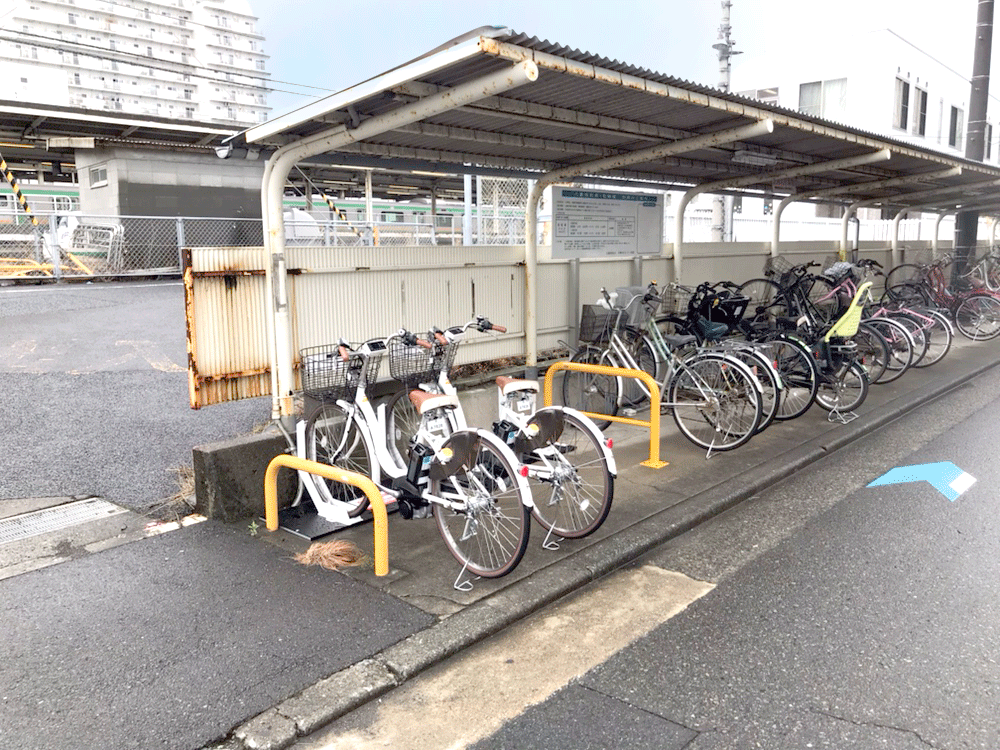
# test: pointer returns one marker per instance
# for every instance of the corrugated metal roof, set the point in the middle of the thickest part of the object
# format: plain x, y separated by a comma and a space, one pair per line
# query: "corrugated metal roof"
584, 107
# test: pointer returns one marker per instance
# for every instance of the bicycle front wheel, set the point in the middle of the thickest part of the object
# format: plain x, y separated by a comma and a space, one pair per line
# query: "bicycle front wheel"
799, 376
486, 523
589, 392
977, 317
333, 437
715, 402
873, 351
572, 484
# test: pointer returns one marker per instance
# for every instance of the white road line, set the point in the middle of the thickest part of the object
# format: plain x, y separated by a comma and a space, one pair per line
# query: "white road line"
497, 680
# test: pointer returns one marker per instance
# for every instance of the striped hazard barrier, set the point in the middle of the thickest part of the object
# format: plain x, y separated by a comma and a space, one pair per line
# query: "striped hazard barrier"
339, 213
9, 176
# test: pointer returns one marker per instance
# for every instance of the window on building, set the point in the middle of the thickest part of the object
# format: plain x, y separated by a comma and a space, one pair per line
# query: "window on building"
919, 112
98, 176
901, 115
73, 18
956, 127
824, 99
988, 142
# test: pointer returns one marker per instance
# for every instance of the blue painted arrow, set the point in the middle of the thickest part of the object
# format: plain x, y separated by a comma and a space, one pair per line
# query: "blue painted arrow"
944, 476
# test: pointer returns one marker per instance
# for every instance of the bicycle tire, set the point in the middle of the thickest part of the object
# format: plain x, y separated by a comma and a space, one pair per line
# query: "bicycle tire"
644, 355
873, 351
901, 349
765, 372
977, 317
764, 295
904, 273
939, 338
799, 376
845, 390
713, 396
824, 302
572, 484
589, 392
488, 533
333, 437
916, 328
401, 424
907, 294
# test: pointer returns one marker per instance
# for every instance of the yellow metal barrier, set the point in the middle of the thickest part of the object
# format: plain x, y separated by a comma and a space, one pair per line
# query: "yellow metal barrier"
352, 478
653, 424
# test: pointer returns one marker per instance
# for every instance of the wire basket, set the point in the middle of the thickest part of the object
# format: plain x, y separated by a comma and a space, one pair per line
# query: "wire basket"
637, 309
777, 265
674, 300
327, 376
598, 323
413, 364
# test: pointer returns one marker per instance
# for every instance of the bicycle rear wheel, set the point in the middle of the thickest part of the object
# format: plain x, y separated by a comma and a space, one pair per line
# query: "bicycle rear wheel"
799, 376
916, 328
900, 344
333, 437
487, 524
844, 390
873, 351
939, 337
589, 392
715, 402
770, 388
633, 391
572, 484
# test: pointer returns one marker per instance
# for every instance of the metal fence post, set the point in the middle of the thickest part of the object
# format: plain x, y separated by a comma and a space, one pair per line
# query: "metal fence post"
180, 242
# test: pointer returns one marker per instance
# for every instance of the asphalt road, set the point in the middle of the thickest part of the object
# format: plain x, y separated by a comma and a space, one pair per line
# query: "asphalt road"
93, 380
832, 615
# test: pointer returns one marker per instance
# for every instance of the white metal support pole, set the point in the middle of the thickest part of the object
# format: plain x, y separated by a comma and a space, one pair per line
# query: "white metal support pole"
895, 235
276, 172
467, 215
776, 222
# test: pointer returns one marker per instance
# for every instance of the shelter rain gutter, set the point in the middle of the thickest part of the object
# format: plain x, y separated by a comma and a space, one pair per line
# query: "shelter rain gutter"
276, 172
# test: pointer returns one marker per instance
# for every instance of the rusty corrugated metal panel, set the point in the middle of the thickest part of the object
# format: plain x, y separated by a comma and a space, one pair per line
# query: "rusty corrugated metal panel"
226, 322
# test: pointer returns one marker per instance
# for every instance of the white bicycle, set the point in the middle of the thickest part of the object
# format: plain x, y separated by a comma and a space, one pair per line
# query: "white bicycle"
468, 479
567, 459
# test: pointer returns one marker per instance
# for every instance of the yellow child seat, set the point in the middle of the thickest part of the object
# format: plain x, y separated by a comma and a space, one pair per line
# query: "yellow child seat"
847, 326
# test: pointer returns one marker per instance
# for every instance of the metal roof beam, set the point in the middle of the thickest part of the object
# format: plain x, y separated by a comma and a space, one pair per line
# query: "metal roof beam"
833, 165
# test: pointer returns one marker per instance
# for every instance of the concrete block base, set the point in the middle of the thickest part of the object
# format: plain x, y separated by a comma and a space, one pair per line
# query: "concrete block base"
229, 476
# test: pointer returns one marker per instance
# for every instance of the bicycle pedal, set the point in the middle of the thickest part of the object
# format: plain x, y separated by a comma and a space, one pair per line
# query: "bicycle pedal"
628, 412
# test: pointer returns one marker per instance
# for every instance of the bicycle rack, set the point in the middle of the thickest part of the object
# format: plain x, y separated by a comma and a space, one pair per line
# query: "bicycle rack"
363, 483
653, 424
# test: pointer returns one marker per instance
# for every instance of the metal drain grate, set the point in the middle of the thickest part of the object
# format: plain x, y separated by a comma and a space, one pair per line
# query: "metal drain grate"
38, 522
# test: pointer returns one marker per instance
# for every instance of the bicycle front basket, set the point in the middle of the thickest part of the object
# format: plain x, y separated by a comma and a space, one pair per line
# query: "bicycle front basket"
328, 377
597, 323
412, 364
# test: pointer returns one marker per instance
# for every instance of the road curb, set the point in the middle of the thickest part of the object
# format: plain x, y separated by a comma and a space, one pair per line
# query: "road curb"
354, 686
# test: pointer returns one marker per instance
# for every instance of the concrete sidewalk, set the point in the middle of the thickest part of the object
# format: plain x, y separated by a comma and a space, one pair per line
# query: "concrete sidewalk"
210, 636
650, 508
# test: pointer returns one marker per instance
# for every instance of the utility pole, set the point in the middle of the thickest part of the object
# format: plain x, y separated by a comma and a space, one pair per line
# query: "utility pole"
967, 222
722, 207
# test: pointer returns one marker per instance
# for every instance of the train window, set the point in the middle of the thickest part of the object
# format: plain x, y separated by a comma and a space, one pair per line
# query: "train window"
388, 216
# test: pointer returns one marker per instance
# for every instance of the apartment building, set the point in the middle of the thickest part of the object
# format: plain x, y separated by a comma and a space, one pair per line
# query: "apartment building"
199, 60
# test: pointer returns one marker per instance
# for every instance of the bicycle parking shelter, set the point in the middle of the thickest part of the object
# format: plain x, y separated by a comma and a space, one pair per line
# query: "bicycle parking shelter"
502, 103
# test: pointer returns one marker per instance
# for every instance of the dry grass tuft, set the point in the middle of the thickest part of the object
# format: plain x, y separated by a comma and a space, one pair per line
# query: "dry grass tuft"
332, 555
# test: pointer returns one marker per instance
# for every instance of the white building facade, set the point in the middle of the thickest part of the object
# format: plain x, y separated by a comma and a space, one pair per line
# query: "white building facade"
881, 83
199, 60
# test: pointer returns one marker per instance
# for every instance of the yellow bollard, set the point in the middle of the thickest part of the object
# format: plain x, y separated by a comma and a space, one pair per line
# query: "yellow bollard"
653, 424
365, 484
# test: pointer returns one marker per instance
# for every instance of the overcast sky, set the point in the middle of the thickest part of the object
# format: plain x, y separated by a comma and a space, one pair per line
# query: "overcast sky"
331, 46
